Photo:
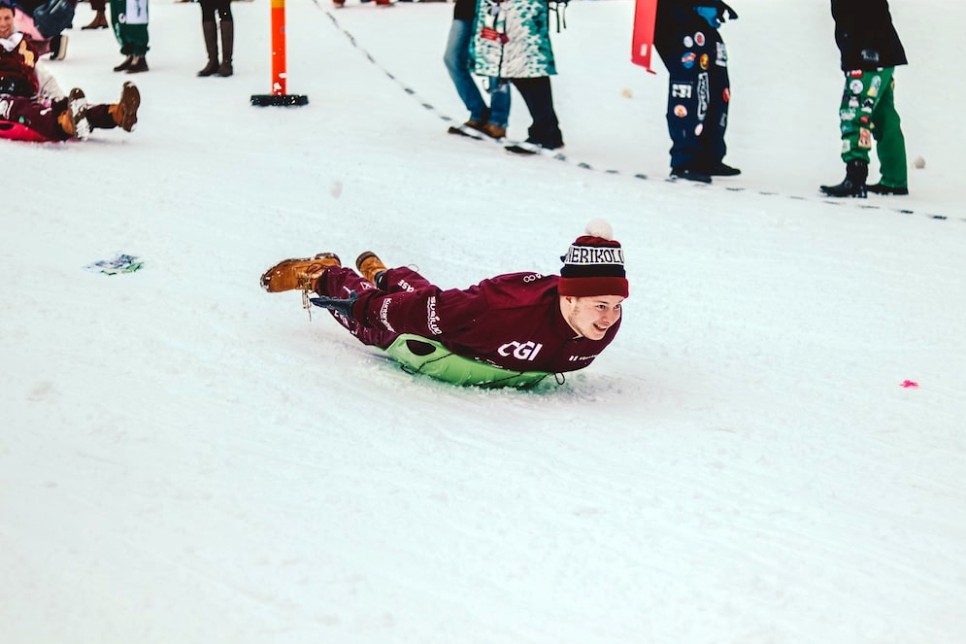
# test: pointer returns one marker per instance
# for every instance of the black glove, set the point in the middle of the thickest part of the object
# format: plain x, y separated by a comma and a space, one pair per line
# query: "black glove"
870, 56
342, 306
728, 13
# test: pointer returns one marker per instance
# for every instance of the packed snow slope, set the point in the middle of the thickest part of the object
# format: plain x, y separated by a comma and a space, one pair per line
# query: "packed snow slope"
771, 451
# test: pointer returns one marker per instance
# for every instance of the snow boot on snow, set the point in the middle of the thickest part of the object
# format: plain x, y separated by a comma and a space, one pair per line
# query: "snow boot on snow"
856, 172
210, 30
227, 48
99, 21
879, 189
370, 266
690, 174
73, 120
125, 64
137, 65
721, 169
291, 274
125, 111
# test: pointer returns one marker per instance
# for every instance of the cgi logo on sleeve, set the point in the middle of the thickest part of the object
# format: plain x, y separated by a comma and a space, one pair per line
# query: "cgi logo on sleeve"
520, 350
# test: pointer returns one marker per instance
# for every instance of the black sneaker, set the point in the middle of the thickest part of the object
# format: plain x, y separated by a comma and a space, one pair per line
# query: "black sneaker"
529, 147
690, 175
880, 189
721, 170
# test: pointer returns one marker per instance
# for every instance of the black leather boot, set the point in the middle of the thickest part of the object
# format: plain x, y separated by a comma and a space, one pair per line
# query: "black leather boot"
856, 172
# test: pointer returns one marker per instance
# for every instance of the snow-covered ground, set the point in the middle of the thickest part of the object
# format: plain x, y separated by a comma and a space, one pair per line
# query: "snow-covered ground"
184, 458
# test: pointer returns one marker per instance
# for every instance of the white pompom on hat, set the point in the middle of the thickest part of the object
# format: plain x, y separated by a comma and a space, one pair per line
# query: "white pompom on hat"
594, 264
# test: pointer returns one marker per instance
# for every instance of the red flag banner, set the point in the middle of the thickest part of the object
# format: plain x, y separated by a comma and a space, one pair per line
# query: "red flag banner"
642, 42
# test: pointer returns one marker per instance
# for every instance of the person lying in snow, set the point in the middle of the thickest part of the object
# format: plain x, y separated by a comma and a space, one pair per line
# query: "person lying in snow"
509, 330
32, 105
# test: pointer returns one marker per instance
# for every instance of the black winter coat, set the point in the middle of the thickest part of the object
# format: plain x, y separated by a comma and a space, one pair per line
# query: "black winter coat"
677, 18
865, 35
464, 10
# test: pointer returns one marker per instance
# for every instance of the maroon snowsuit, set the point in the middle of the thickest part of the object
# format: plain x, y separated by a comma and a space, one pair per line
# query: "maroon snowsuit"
18, 88
19, 103
511, 321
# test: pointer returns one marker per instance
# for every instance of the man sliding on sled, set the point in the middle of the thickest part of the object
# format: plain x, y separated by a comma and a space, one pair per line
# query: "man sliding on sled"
510, 330
32, 105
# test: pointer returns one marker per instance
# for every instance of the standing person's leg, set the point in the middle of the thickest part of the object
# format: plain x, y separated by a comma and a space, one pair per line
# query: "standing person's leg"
499, 107
890, 142
537, 94
227, 26
134, 34
100, 18
136, 37
713, 146
210, 31
118, 7
861, 95
687, 104
457, 61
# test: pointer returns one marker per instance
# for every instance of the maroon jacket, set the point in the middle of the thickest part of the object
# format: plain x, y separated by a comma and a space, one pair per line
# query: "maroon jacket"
17, 68
512, 321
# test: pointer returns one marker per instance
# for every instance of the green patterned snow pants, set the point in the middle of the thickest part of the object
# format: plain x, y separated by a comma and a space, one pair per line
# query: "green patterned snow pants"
130, 21
868, 112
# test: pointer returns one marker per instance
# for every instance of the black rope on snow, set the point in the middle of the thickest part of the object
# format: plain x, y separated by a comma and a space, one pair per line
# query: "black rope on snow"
559, 156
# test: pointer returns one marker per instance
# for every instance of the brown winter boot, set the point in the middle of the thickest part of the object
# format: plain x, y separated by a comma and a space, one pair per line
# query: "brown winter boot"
300, 274
210, 30
492, 131
125, 111
138, 64
125, 64
475, 125
99, 21
370, 266
227, 48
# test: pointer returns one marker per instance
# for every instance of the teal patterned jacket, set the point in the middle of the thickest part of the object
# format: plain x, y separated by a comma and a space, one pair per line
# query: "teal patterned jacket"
511, 39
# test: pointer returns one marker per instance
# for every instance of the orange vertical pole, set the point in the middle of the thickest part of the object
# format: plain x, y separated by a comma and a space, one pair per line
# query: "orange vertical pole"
279, 71
278, 48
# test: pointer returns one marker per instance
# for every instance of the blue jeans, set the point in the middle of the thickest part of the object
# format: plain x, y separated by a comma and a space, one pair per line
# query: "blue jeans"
457, 59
